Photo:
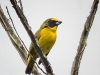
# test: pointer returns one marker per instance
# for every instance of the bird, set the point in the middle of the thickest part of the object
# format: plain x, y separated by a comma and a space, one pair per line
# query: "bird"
46, 37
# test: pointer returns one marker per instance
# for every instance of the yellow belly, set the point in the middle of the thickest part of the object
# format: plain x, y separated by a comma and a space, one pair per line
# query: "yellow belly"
47, 40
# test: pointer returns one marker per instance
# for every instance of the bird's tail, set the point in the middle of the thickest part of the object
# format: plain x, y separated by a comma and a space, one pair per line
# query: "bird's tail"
30, 65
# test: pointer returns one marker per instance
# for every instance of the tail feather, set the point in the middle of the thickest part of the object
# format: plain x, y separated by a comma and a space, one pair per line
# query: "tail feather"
28, 70
30, 65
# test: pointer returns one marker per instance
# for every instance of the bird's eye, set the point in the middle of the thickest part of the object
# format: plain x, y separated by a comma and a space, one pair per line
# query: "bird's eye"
51, 23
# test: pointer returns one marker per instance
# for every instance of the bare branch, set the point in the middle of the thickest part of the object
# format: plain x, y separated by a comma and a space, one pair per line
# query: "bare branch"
15, 29
28, 29
21, 6
20, 38
14, 39
83, 39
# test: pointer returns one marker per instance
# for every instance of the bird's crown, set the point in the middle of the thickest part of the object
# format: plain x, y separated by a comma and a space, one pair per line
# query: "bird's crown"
54, 19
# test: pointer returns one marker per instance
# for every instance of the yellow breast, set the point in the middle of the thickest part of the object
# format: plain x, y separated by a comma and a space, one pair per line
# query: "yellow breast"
47, 39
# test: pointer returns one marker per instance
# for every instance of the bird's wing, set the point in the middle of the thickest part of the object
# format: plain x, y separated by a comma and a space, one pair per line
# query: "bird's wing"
31, 48
37, 34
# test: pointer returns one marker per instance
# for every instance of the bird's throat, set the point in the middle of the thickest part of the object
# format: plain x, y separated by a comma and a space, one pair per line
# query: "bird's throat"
54, 28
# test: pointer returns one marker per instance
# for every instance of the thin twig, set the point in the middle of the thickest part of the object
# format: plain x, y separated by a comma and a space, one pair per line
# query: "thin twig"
21, 6
14, 39
41, 69
83, 39
15, 28
21, 39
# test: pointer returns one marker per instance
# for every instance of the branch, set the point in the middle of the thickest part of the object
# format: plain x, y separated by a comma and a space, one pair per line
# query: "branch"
14, 39
83, 39
21, 6
33, 39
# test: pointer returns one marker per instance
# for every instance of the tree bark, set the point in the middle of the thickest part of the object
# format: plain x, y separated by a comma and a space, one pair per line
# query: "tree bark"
83, 39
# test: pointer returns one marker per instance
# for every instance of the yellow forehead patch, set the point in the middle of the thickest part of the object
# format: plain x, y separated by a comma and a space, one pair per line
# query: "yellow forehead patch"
54, 19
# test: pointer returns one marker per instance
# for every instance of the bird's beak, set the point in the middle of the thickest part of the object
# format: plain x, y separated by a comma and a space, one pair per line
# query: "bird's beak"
58, 22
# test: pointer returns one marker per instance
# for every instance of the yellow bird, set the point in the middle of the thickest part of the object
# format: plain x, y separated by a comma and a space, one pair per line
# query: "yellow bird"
46, 36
